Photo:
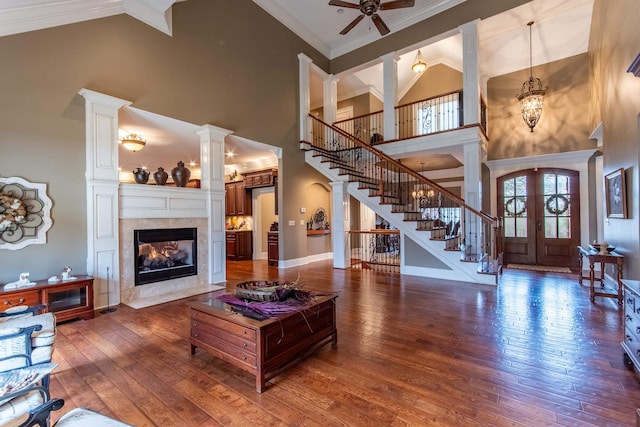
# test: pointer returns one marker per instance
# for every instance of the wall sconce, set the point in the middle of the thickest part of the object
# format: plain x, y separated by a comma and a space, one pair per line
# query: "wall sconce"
133, 142
419, 65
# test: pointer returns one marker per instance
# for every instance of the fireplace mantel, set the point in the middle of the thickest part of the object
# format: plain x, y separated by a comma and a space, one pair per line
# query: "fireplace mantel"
158, 201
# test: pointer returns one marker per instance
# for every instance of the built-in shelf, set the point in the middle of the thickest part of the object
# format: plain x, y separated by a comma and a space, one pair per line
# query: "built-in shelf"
317, 232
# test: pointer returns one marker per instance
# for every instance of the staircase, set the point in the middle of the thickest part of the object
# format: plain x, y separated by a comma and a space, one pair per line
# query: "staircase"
458, 242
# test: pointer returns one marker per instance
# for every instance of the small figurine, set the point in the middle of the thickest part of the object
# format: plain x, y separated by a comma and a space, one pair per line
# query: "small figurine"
66, 273
23, 281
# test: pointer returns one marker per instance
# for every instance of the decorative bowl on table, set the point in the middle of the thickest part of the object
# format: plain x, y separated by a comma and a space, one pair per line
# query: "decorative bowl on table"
596, 246
263, 291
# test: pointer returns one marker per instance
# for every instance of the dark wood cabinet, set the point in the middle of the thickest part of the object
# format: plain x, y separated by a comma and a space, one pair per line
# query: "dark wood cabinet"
237, 199
69, 299
239, 245
264, 178
272, 248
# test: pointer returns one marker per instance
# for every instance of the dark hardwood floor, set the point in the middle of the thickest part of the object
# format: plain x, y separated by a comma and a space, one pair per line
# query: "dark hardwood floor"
411, 352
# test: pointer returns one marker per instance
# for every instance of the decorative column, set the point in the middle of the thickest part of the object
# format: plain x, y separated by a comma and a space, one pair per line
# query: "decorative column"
473, 156
470, 72
103, 254
340, 225
390, 95
304, 88
212, 181
330, 98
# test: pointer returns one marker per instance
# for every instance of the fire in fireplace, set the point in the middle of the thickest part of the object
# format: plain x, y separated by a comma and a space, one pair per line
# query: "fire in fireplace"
163, 254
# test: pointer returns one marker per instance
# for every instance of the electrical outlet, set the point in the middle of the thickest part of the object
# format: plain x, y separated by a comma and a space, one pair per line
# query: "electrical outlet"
303, 210
292, 222
302, 222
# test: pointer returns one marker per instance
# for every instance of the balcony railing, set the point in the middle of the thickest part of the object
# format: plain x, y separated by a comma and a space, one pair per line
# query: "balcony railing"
375, 250
431, 115
433, 208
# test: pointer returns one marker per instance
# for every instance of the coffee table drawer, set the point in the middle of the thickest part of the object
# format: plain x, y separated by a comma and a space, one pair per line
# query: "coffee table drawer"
238, 330
225, 349
239, 341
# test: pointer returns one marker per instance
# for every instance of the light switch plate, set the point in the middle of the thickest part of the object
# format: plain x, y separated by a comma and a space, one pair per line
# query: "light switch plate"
292, 222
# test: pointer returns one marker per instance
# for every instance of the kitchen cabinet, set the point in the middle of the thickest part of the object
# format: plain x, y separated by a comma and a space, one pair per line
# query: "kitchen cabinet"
272, 248
264, 178
239, 245
237, 199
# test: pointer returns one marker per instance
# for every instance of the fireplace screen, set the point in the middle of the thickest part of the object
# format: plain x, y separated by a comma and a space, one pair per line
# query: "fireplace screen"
163, 254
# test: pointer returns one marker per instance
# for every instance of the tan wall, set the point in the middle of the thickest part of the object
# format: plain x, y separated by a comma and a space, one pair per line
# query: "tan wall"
205, 73
435, 80
564, 124
614, 44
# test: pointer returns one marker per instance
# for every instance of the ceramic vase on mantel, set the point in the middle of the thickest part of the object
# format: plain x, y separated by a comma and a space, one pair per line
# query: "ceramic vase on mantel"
180, 175
160, 176
141, 176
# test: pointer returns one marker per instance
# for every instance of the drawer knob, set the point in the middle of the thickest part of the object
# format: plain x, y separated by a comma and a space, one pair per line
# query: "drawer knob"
195, 324
245, 344
244, 332
196, 335
628, 339
629, 318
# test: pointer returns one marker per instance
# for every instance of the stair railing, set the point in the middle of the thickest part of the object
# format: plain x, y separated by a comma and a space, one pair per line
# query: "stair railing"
472, 232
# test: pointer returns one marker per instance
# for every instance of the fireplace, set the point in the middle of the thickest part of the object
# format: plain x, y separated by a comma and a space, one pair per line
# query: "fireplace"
164, 254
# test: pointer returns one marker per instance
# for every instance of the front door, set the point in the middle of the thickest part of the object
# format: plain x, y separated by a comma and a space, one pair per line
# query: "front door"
541, 211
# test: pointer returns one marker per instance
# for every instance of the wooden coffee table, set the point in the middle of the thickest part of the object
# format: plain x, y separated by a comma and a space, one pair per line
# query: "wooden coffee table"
262, 347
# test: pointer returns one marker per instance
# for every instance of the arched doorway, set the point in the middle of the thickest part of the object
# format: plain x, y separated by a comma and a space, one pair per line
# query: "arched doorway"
541, 211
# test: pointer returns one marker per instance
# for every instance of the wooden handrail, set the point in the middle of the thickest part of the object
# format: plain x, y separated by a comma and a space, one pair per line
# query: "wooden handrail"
405, 169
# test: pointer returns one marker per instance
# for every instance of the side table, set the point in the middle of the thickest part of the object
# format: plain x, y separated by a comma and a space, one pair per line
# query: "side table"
595, 256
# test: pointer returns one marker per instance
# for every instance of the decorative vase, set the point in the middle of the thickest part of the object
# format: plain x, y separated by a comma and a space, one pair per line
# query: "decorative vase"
141, 176
180, 175
160, 176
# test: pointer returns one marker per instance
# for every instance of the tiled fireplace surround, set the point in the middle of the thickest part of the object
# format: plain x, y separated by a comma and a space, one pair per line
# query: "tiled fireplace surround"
152, 207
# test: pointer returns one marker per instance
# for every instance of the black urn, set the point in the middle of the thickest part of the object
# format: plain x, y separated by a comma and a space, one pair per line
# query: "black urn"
180, 175
160, 176
141, 176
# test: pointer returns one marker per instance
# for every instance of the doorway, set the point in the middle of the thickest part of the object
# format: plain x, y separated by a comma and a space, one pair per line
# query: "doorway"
541, 211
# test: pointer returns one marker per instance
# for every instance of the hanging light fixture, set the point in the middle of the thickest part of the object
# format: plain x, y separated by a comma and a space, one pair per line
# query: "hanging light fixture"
532, 94
133, 142
419, 65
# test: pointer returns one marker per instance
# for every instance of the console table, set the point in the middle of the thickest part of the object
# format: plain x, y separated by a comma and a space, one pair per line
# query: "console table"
262, 347
595, 256
68, 299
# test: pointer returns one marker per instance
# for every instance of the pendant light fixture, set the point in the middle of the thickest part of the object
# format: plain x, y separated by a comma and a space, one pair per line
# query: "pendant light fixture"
419, 65
532, 94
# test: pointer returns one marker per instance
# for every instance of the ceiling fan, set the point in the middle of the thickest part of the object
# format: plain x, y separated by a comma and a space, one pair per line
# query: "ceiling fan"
370, 8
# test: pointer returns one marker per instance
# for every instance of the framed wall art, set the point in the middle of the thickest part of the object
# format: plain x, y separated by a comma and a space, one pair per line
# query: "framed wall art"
25, 213
615, 194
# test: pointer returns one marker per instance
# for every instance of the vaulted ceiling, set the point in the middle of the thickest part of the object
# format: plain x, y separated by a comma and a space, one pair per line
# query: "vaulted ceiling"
561, 30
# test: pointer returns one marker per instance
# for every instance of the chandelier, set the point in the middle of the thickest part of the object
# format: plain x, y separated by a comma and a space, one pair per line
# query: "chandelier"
133, 142
532, 94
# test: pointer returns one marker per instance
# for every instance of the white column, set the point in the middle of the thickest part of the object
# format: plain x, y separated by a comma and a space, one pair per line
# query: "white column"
472, 193
330, 99
340, 227
212, 181
390, 94
304, 63
470, 72
103, 254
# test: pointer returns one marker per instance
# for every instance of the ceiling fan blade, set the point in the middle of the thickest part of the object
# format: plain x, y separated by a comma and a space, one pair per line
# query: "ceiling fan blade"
353, 24
382, 27
397, 4
340, 3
